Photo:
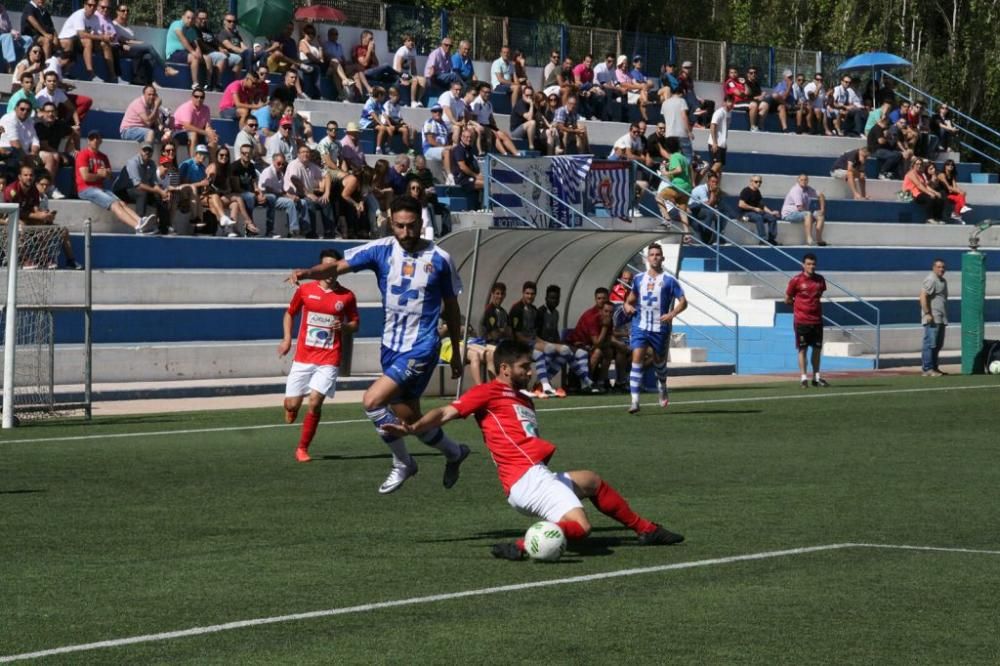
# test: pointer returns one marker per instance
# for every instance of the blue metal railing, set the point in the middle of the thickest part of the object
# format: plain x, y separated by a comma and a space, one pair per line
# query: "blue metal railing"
963, 130
719, 257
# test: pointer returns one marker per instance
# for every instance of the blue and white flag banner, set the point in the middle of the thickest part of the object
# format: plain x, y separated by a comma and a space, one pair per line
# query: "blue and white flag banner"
608, 187
520, 191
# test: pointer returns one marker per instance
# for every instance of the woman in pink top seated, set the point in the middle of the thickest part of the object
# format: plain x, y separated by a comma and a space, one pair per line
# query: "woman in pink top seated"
932, 201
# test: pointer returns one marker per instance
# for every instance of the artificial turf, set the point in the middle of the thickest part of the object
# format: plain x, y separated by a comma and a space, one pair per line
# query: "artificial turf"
116, 536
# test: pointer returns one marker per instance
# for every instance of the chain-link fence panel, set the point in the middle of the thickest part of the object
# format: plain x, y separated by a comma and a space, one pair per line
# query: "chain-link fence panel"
535, 40
654, 49
360, 13
423, 24
581, 41
486, 33
745, 56
831, 61
707, 57
798, 60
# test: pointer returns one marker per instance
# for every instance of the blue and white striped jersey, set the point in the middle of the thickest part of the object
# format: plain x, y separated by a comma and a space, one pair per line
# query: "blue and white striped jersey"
413, 288
654, 297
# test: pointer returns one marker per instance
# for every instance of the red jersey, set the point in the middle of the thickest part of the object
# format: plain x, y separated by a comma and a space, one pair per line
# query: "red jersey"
317, 342
737, 88
619, 293
93, 160
510, 429
807, 293
587, 327
28, 200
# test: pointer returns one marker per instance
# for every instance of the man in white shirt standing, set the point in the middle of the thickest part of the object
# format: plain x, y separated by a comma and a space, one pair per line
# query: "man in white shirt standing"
80, 32
405, 62
718, 133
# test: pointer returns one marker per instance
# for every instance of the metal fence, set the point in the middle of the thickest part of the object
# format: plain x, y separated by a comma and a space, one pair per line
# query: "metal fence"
745, 56
423, 24
708, 58
654, 49
535, 40
360, 13
799, 61
486, 33
581, 40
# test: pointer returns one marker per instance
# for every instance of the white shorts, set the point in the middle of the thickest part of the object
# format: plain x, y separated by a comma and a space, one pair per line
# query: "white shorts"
306, 377
544, 494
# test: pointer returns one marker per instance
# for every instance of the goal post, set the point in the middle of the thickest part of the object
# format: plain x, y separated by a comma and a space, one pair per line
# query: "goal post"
34, 292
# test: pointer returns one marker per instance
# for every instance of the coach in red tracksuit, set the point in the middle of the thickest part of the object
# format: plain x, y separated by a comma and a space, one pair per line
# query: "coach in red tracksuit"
805, 294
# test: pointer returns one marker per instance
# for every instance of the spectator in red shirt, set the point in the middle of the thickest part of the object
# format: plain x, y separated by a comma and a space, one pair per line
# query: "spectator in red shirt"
736, 86
24, 193
621, 288
92, 170
805, 294
593, 333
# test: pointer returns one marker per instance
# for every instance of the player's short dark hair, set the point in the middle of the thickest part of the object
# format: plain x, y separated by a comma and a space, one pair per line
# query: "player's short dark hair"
807, 256
331, 253
498, 285
553, 289
406, 203
529, 285
601, 290
672, 144
655, 246
508, 351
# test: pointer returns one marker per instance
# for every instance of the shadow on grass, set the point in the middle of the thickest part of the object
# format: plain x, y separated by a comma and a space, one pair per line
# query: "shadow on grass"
377, 456
508, 534
23, 491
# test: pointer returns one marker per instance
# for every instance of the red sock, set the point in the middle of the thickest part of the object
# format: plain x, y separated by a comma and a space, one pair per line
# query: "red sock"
610, 503
309, 425
520, 544
573, 530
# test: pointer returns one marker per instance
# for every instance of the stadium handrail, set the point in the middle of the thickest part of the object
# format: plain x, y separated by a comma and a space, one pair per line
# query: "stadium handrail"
876, 325
969, 119
735, 328
489, 182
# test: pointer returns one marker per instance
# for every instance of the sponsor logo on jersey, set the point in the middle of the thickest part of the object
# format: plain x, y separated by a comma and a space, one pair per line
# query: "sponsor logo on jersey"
339, 306
408, 269
429, 268
315, 297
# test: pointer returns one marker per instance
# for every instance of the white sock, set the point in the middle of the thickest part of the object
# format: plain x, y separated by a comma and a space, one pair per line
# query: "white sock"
805, 378
817, 376
547, 385
440, 441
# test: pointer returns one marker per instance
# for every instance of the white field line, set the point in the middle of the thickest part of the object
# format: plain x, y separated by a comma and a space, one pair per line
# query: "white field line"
813, 395
380, 605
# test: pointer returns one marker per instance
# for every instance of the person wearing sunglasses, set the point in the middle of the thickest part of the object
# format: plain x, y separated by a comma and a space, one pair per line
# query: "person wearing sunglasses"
145, 58
753, 209
439, 68
36, 23
82, 33
230, 41
192, 123
239, 100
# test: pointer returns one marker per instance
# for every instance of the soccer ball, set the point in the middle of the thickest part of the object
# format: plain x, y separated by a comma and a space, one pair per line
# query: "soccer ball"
994, 368
545, 541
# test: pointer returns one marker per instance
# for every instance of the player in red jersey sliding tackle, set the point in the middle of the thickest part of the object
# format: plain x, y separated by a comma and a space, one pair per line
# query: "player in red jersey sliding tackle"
506, 414
328, 311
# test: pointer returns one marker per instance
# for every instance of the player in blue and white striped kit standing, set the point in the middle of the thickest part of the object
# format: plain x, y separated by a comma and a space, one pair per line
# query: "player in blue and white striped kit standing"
651, 305
419, 285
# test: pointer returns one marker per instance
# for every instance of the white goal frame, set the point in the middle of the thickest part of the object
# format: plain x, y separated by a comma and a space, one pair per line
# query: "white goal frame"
10, 309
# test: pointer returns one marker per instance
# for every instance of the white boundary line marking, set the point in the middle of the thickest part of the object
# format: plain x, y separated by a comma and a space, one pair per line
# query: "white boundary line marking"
710, 401
364, 608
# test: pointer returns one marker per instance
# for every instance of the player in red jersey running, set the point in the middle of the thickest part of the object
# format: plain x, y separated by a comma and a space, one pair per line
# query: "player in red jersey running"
328, 310
506, 414
805, 295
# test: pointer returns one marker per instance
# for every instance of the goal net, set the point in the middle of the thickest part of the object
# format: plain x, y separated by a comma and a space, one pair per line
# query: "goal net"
29, 282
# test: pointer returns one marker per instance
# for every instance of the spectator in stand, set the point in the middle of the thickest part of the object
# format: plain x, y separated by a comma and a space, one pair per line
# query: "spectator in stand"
439, 70
942, 127
802, 204
249, 137
502, 75
924, 195
289, 90
143, 120
886, 93
851, 167
675, 118
902, 137
192, 123
706, 200
782, 98
32, 212
223, 197
464, 167
593, 335
145, 58
182, 45
629, 146
51, 132
636, 92
815, 94
216, 61
482, 108
392, 117
36, 23
373, 117
736, 86
243, 182
311, 60
757, 106
137, 184
283, 51
545, 118
656, 145
405, 64
33, 63
435, 140
461, 63
718, 133
283, 142
25, 92
801, 104
851, 117
238, 100
753, 209
571, 131
888, 155
668, 80
18, 139
371, 72
269, 117
927, 141
353, 159
81, 33
92, 170
701, 110
230, 42
272, 184
522, 117
338, 68
309, 188
676, 184
590, 94
604, 75
453, 109
948, 179
13, 44
550, 72
565, 82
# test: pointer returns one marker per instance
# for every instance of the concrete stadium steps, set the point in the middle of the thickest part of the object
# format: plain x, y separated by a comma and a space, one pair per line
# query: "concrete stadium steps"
830, 258
891, 310
776, 186
893, 339
849, 210
872, 235
863, 283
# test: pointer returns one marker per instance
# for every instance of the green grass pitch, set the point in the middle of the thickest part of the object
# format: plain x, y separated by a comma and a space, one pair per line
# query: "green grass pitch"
160, 530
